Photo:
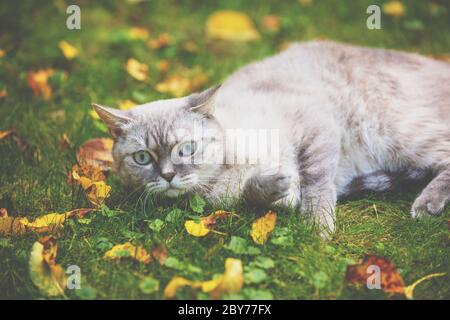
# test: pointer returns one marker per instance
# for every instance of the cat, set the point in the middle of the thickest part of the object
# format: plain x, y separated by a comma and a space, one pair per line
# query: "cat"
346, 119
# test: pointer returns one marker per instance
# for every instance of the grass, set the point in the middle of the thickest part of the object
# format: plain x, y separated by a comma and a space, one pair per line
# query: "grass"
33, 181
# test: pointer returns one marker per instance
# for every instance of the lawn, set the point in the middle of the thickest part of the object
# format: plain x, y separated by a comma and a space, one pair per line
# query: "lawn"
294, 263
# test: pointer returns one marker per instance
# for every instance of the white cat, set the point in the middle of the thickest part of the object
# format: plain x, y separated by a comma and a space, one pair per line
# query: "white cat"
346, 119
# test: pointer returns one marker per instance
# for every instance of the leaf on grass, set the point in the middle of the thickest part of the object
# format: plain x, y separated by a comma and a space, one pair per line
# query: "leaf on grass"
263, 226
163, 65
394, 8
48, 276
305, 3
38, 82
68, 50
2, 53
96, 152
6, 133
390, 280
126, 104
91, 179
231, 25
205, 225
230, 282
3, 93
10, 225
271, 23
137, 70
163, 40
176, 85
409, 290
128, 250
138, 33
159, 253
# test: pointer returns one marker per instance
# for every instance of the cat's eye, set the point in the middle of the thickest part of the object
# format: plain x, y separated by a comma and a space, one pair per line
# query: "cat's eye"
142, 157
187, 149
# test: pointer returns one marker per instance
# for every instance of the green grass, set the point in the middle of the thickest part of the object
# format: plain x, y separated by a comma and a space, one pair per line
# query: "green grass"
33, 181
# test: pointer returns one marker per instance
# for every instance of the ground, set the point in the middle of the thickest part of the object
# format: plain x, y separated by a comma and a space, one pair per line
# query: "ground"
33, 180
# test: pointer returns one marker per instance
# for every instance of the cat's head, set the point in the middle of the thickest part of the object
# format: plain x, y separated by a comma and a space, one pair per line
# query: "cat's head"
169, 146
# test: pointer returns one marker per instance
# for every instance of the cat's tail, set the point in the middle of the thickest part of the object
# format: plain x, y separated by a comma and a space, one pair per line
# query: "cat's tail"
381, 181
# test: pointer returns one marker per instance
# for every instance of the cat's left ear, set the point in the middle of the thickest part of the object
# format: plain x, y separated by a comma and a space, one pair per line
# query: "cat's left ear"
114, 119
203, 102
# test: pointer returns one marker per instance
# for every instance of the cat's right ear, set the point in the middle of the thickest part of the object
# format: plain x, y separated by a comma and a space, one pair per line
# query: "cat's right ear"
114, 119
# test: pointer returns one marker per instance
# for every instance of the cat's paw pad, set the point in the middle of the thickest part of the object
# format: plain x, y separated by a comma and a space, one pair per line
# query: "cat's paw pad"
426, 205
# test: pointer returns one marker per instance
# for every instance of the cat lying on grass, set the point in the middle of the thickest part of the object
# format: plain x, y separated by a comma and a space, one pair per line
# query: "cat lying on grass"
340, 119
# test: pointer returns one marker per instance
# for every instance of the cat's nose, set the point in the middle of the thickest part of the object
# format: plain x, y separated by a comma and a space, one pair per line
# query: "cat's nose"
168, 176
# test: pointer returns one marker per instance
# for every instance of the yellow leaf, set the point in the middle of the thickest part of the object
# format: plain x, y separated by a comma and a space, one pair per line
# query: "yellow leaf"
126, 104
263, 226
231, 25
138, 33
305, 3
409, 290
97, 193
230, 282
394, 9
48, 276
68, 50
179, 86
94, 115
38, 82
50, 222
196, 229
128, 250
137, 70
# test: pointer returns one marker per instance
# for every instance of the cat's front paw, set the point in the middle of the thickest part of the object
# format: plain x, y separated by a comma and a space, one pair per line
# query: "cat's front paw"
427, 204
267, 187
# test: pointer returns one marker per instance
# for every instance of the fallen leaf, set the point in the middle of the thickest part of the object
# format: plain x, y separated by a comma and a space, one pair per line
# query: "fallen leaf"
64, 142
205, 225
409, 290
68, 50
163, 65
305, 3
190, 46
231, 25
163, 40
10, 225
138, 33
38, 82
51, 222
137, 70
4, 134
126, 104
271, 23
90, 172
48, 276
159, 253
2, 53
128, 250
91, 179
230, 282
96, 152
263, 226
391, 282
394, 9
179, 86
3, 93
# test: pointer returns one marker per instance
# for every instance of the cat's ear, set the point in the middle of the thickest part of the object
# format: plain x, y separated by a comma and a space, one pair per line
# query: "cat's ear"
114, 119
202, 102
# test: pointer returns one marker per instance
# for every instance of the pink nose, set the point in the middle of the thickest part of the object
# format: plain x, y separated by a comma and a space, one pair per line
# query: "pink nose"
168, 176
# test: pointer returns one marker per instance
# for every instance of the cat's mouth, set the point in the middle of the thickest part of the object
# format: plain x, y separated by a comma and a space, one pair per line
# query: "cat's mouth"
173, 192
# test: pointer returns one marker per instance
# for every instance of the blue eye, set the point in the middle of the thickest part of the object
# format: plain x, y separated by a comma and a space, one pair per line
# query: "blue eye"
187, 149
142, 157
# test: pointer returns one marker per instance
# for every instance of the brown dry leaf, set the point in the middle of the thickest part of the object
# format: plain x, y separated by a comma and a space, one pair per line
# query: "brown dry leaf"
394, 8
271, 23
138, 33
159, 253
128, 250
48, 276
163, 40
3, 93
10, 225
96, 152
4, 134
230, 282
263, 226
231, 25
68, 50
206, 224
64, 142
38, 82
90, 172
179, 86
137, 70
391, 281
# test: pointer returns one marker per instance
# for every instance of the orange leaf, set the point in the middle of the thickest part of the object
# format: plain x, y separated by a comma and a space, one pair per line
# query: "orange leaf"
162, 41
96, 152
38, 82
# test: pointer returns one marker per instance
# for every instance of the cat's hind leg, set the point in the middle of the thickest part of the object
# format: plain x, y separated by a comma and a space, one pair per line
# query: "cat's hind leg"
436, 195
